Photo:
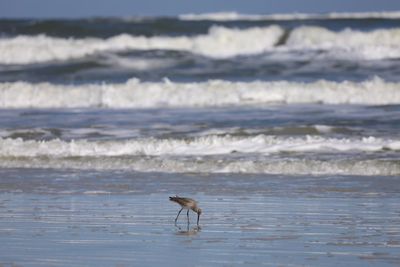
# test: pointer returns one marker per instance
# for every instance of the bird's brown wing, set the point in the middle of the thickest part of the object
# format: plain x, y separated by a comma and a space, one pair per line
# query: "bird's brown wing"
184, 201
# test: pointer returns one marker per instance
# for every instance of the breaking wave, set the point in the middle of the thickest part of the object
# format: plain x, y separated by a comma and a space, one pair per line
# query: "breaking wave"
214, 93
378, 44
211, 165
209, 145
219, 43
211, 154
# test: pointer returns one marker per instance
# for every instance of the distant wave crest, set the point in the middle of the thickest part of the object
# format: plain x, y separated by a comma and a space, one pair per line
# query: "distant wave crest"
230, 16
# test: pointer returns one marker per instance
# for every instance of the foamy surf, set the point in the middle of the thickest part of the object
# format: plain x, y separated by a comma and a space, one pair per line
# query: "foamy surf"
219, 43
350, 44
208, 145
213, 93
282, 166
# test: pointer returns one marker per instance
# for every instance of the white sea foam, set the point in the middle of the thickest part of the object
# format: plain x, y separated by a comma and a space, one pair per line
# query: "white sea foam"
220, 42
377, 44
230, 16
198, 155
214, 93
204, 165
209, 145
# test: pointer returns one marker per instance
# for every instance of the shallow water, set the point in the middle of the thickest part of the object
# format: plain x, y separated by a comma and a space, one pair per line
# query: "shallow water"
123, 219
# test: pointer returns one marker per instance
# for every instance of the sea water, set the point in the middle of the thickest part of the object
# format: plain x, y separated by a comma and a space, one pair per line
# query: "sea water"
285, 127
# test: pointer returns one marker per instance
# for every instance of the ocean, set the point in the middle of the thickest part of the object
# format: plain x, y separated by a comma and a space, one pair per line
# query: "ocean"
285, 127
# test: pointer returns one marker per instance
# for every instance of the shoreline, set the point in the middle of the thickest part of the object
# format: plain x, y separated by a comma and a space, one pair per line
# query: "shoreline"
288, 221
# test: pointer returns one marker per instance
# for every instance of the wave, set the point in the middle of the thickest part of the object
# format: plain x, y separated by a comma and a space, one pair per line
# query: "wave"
208, 145
351, 44
211, 165
231, 16
213, 93
40, 133
211, 154
220, 42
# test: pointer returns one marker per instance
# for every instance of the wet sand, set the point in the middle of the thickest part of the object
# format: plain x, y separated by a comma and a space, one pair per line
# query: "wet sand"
76, 218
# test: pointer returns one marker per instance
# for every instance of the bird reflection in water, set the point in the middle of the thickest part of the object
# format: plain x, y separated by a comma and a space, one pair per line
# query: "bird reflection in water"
187, 231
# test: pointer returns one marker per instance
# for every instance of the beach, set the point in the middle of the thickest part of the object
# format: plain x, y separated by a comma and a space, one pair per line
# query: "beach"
284, 127
125, 219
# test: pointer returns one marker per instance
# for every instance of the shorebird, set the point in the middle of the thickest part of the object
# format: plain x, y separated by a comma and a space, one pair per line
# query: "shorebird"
187, 204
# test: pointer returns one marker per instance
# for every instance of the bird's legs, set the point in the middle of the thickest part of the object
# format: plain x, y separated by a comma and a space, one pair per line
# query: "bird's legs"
178, 215
187, 216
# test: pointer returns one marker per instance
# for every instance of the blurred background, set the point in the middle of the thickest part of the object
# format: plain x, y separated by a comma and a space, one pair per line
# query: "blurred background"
89, 8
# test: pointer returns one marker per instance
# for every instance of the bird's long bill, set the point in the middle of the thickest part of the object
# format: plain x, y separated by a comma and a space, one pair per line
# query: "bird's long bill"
198, 218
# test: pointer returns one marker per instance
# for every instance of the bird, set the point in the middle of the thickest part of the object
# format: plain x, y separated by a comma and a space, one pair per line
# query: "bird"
187, 204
